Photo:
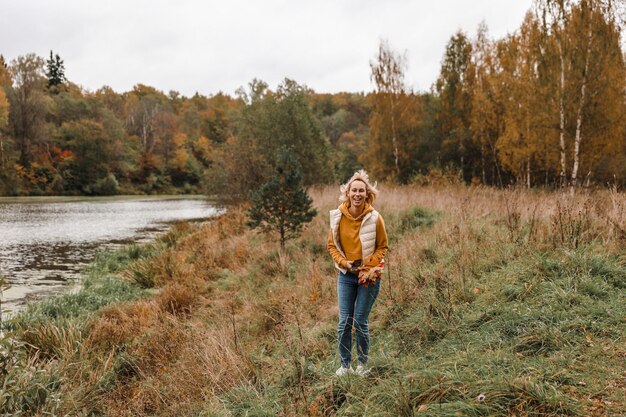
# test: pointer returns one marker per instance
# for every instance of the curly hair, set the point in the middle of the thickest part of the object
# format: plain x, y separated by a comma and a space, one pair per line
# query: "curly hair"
361, 175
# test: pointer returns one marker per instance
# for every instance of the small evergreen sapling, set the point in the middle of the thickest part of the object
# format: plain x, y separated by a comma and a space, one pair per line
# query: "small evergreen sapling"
282, 205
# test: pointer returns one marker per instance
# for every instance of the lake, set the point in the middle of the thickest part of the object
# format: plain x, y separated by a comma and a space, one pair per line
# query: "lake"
45, 242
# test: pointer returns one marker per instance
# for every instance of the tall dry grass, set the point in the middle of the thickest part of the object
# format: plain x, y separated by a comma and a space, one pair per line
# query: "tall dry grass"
235, 327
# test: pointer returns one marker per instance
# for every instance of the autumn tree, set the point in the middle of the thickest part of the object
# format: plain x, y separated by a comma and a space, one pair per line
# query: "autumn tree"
597, 86
28, 105
395, 117
113, 101
286, 119
165, 129
345, 120
5, 76
454, 90
486, 107
92, 147
554, 17
588, 82
266, 121
144, 106
217, 119
4, 118
5, 82
600, 127
190, 122
241, 163
527, 142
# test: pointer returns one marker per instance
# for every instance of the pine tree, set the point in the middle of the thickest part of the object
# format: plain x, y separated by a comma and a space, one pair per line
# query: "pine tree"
281, 204
55, 70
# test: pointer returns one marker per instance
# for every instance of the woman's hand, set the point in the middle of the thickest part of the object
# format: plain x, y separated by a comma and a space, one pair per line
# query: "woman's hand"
354, 266
369, 275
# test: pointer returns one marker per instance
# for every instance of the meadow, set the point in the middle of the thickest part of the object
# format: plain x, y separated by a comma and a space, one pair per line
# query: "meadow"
493, 303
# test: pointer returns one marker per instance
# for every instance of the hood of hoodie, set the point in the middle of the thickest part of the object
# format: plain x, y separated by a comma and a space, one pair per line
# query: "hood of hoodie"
343, 207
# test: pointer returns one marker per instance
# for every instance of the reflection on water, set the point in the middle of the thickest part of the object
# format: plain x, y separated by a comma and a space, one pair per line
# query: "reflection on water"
44, 244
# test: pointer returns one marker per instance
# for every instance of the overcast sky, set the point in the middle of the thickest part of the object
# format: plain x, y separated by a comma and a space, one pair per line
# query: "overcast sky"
210, 46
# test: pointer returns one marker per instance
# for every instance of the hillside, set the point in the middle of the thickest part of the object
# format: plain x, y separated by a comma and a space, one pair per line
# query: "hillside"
494, 303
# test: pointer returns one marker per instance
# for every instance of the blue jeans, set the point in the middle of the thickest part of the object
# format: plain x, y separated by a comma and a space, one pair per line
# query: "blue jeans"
355, 304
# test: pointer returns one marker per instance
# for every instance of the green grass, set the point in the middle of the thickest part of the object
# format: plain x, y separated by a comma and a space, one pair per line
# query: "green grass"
475, 321
101, 285
417, 217
55, 328
528, 332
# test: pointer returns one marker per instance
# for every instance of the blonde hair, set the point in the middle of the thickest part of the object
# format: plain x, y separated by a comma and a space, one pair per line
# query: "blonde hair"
371, 190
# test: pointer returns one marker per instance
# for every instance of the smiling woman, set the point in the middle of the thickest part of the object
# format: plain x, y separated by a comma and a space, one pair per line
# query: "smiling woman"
357, 242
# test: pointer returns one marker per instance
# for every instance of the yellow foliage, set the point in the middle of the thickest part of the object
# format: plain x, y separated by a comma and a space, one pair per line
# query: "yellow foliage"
203, 147
180, 151
5, 76
4, 109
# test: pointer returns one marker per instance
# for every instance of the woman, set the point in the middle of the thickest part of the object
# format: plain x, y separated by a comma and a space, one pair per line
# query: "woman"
357, 242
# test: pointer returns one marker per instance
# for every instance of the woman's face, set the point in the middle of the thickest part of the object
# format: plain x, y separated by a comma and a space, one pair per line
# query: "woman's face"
357, 193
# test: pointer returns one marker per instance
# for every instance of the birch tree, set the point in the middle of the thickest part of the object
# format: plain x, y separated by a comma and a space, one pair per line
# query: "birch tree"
526, 143
395, 118
486, 110
587, 11
597, 86
454, 89
388, 75
554, 18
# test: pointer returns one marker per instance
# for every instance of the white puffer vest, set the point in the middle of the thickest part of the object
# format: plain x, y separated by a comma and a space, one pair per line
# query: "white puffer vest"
367, 234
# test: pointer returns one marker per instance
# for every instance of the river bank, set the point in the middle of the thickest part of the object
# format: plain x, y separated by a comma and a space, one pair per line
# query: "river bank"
493, 303
45, 242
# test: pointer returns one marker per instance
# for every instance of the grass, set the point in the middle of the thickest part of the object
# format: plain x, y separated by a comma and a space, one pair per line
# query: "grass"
493, 303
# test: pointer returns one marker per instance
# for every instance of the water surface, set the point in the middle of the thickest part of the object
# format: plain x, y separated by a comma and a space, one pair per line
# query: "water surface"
46, 241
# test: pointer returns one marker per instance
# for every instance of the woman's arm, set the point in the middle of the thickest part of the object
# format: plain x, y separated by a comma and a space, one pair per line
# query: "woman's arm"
334, 252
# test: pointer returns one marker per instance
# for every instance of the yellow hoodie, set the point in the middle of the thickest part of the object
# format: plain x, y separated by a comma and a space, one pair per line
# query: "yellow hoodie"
349, 230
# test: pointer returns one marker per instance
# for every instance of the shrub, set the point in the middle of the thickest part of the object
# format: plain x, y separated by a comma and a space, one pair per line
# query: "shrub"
104, 186
417, 217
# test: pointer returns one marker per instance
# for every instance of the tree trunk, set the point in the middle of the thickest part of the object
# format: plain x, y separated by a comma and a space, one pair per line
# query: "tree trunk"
562, 176
1, 152
497, 165
579, 115
482, 164
25, 152
394, 139
282, 240
462, 165
282, 231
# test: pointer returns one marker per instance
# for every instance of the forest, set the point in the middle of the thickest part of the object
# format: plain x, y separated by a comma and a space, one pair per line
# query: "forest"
541, 107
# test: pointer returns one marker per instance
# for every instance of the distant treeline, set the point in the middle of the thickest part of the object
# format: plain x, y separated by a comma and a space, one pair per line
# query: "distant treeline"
543, 106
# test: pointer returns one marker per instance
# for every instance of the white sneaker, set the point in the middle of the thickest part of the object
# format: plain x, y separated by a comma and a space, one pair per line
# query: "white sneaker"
362, 370
343, 371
